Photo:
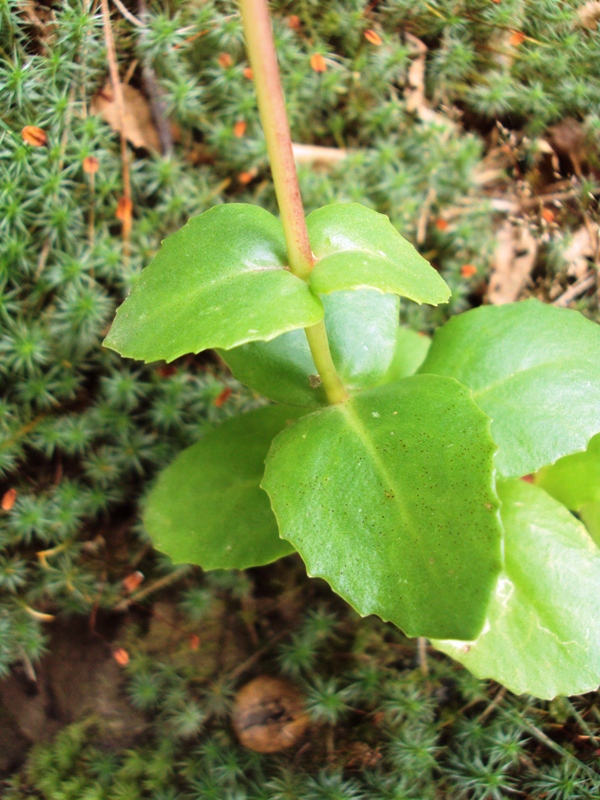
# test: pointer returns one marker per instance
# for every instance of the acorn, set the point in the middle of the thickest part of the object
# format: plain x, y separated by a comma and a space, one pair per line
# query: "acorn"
269, 715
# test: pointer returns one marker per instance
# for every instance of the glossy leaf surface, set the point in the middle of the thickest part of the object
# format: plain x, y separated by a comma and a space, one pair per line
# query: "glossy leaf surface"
411, 350
574, 480
590, 516
218, 282
207, 508
534, 369
542, 636
389, 497
361, 328
357, 248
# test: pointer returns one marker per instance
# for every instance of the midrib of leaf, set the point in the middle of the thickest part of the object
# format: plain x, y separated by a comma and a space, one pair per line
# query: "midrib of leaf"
356, 424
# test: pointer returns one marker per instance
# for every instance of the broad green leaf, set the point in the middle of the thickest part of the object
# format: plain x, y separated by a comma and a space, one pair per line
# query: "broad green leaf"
411, 350
389, 497
220, 281
207, 507
542, 635
574, 480
590, 516
357, 248
534, 369
361, 328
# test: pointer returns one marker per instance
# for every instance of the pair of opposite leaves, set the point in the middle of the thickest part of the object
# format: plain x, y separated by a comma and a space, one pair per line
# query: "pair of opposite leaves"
391, 496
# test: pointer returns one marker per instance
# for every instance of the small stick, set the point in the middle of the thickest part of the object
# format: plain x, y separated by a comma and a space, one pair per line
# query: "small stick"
128, 15
499, 696
173, 577
576, 290
422, 642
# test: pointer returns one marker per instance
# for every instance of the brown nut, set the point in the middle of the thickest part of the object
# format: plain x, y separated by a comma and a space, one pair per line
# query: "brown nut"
269, 715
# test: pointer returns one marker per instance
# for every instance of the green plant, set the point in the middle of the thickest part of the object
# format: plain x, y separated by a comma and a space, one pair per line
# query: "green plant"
402, 735
401, 490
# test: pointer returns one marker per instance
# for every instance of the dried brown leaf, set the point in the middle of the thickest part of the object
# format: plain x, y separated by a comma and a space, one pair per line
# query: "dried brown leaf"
589, 15
579, 249
138, 127
515, 256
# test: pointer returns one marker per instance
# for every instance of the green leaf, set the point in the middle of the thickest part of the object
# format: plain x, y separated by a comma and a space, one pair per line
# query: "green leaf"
542, 635
574, 480
411, 350
357, 248
220, 281
389, 497
207, 508
534, 369
590, 516
361, 328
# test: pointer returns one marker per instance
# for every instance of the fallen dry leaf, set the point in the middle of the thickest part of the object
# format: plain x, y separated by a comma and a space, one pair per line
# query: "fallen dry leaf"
269, 715
138, 127
579, 249
515, 256
8, 499
568, 137
414, 91
34, 136
589, 15
40, 17
362, 756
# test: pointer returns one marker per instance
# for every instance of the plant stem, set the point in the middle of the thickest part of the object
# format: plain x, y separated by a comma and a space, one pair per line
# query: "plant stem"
319, 348
271, 105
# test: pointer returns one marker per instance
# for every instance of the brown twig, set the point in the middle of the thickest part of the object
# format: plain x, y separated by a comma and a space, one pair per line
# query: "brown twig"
576, 290
499, 697
167, 580
120, 106
128, 15
422, 644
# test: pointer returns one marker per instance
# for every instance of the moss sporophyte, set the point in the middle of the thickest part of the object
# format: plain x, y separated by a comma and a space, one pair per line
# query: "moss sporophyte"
396, 474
